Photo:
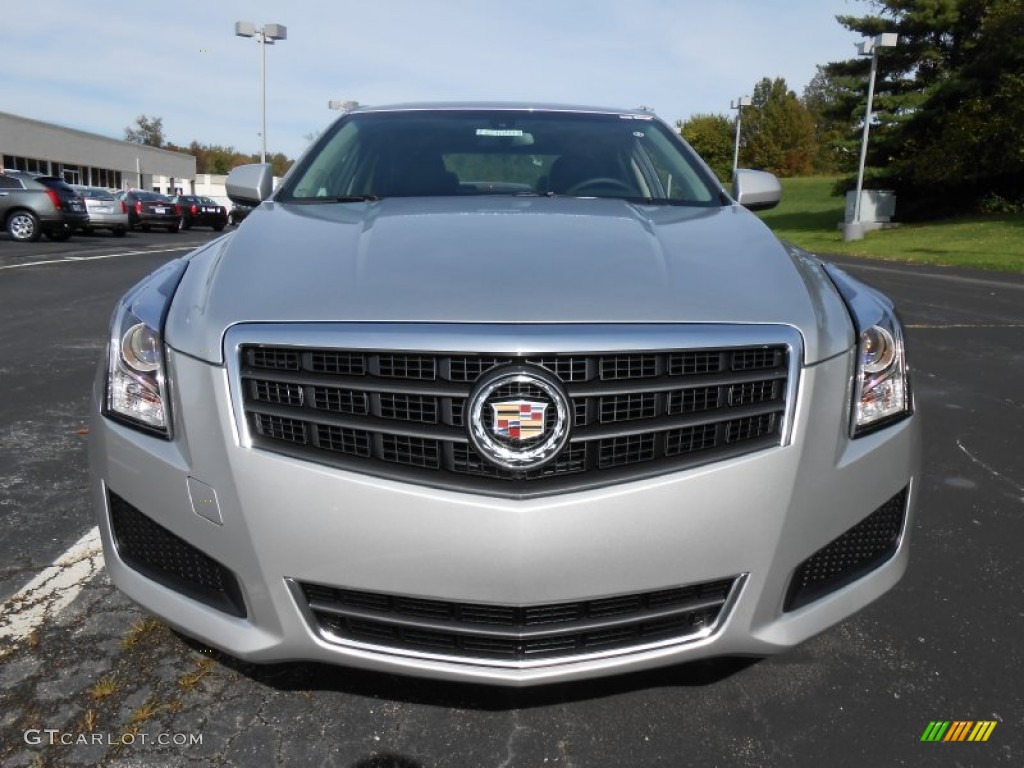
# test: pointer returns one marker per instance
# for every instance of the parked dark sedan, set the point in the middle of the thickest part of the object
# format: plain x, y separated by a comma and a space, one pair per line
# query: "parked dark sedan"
32, 205
201, 212
238, 213
150, 209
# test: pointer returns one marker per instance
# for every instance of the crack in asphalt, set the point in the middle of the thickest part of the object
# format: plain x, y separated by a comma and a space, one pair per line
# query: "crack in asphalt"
995, 473
51, 591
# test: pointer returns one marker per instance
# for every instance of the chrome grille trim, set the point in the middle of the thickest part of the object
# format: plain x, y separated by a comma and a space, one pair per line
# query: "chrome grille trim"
332, 394
516, 637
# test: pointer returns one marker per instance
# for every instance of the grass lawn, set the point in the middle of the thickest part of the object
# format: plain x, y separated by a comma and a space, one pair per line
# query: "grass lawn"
808, 217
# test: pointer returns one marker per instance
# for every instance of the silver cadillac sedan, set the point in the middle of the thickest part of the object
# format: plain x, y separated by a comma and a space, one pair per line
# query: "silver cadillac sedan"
500, 393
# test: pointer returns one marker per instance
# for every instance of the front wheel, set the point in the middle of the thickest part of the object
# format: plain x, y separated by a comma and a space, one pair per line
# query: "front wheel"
119, 231
174, 227
23, 226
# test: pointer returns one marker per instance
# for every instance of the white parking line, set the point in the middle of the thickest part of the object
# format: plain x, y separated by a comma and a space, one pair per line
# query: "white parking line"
51, 591
67, 259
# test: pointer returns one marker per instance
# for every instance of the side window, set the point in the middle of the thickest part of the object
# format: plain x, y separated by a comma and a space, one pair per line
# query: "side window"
9, 182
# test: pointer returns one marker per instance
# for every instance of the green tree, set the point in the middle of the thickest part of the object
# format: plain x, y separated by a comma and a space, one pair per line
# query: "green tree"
147, 130
777, 132
965, 145
279, 162
711, 136
947, 128
832, 129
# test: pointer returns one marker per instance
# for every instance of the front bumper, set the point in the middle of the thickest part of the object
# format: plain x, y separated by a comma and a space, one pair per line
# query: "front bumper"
276, 522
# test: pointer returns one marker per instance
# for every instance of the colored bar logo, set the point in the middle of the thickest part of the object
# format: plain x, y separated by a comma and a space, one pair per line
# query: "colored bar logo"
958, 730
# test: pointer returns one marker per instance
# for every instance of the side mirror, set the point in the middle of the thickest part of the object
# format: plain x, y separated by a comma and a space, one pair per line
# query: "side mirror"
250, 184
755, 190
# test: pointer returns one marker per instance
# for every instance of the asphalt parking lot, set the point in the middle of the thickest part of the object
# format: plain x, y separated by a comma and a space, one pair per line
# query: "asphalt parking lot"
107, 685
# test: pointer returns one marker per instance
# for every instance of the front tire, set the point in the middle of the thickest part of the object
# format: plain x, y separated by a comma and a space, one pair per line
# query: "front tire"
119, 231
23, 227
173, 229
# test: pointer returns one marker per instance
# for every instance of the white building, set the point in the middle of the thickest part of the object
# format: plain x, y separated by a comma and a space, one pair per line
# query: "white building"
88, 158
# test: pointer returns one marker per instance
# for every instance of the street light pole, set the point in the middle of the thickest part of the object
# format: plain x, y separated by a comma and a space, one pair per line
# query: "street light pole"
344, 106
868, 47
738, 105
265, 35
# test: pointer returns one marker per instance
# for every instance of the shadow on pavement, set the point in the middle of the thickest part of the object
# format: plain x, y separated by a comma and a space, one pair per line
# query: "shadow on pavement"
306, 676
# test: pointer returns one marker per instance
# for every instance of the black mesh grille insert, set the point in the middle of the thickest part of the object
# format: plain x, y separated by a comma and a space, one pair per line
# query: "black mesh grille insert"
690, 439
846, 558
354, 442
276, 392
409, 408
414, 451
340, 400
517, 633
155, 552
690, 363
617, 367
638, 405
693, 400
416, 367
402, 414
572, 460
274, 359
278, 428
342, 363
626, 450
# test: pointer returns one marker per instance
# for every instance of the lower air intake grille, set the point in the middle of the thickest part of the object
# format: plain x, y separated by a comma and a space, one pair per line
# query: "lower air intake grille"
155, 552
517, 633
855, 553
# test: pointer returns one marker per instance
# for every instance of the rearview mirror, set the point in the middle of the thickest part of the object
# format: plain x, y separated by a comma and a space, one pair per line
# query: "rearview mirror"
756, 190
250, 184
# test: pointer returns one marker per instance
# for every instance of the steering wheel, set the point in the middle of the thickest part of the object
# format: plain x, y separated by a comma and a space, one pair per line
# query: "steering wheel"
601, 181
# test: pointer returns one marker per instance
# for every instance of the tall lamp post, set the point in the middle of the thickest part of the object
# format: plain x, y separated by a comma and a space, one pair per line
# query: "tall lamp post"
738, 105
870, 48
344, 106
265, 35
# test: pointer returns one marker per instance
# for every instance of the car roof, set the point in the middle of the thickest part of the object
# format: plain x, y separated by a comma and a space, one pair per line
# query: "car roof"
511, 106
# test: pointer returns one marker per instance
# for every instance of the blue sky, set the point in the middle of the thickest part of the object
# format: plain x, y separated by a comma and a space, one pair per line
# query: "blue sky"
97, 66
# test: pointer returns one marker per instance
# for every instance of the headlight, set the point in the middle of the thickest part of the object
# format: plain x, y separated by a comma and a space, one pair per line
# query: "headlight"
880, 388
881, 385
136, 375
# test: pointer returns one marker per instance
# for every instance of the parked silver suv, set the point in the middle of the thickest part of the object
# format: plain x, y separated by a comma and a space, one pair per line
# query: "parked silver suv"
503, 393
31, 205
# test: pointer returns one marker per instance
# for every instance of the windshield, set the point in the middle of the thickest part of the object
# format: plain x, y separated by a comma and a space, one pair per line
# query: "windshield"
500, 152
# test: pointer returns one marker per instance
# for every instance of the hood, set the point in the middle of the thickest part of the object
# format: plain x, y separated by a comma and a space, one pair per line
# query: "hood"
503, 260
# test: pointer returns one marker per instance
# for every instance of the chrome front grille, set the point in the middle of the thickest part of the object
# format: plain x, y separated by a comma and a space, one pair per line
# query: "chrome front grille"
401, 414
500, 634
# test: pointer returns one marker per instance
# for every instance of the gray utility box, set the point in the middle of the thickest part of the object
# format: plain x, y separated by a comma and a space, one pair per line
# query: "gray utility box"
876, 205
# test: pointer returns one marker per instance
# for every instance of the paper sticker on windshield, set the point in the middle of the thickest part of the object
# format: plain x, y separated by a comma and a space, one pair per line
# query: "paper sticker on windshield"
499, 132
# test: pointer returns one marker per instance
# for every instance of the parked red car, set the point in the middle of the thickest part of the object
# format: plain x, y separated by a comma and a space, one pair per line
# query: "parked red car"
150, 209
